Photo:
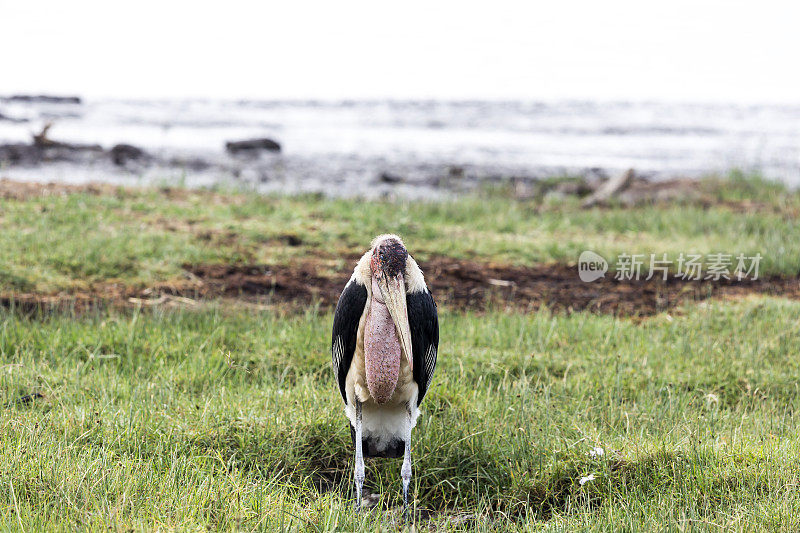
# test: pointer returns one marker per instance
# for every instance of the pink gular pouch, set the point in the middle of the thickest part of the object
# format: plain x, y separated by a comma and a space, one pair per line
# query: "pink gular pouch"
382, 350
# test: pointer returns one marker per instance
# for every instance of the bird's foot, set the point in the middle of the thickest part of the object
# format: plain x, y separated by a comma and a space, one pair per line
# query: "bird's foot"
366, 502
370, 500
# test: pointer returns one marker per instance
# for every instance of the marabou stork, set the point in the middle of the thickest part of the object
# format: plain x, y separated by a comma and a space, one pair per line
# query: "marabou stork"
384, 347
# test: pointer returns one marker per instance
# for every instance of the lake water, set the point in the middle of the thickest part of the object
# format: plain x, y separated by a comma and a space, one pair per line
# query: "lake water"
341, 148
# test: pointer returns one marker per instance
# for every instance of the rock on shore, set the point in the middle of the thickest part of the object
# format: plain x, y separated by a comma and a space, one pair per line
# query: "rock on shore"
44, 99
252, 146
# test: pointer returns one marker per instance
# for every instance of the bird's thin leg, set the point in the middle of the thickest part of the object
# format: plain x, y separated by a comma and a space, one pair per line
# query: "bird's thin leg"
405, 471
359, 468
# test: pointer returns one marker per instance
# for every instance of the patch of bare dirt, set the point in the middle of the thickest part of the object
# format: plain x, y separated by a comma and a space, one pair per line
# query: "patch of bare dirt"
469, 284
298, 283
27, 190
455, 283
23, 190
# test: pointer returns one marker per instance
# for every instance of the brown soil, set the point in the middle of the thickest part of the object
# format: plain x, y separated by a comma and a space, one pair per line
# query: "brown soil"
466, 284
455, 284
298, 283
24, 190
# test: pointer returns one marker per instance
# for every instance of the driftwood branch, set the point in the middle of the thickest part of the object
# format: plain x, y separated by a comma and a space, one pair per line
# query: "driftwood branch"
610, 189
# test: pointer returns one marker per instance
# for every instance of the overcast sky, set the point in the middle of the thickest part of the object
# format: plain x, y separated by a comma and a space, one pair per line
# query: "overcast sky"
691, 50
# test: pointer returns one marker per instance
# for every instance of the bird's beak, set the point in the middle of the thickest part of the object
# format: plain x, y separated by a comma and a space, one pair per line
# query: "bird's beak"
393, 291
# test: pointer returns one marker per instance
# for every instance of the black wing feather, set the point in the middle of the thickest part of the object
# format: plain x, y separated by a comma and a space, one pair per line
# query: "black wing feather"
424, 324
345, 330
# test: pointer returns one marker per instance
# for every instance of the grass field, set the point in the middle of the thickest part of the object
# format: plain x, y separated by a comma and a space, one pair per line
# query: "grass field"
226, 417
64, 242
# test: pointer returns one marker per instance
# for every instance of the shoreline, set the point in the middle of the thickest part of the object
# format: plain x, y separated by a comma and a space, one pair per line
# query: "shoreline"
411, 149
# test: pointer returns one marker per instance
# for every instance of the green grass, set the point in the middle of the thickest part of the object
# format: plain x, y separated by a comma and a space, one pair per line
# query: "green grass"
223, 417
140, 237
230, 419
